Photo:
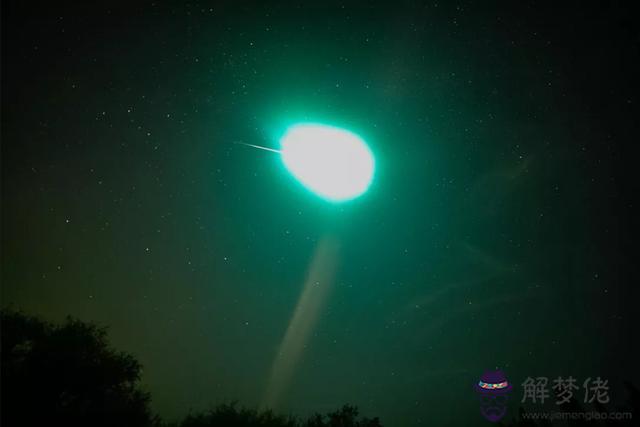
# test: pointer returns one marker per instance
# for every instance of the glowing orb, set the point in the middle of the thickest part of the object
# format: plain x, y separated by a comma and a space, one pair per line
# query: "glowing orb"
334, 163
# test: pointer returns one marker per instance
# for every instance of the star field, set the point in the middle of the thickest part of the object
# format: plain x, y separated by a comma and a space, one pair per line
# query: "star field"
498, 231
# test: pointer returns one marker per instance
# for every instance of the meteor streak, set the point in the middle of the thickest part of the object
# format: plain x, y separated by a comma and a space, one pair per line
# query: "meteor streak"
333, 163
257, 146
315, 292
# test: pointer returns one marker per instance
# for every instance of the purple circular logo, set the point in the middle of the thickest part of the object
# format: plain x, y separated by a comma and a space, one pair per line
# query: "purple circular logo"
493, 390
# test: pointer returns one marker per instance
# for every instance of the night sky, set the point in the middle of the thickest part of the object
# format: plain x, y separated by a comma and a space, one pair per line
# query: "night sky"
498, 230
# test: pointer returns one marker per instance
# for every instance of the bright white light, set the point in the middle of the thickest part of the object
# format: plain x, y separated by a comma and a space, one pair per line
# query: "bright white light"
333, 163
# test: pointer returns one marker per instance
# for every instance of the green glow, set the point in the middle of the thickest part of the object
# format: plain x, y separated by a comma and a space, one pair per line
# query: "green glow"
333, 163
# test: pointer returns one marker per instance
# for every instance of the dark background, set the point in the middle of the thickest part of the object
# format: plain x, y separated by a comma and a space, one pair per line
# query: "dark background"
498, 231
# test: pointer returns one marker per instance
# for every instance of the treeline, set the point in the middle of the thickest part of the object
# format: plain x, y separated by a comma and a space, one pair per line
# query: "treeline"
68, 375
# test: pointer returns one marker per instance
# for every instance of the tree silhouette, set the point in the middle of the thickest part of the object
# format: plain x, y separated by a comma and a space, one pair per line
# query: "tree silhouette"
231, 415
227, 415
347, 416
67, 375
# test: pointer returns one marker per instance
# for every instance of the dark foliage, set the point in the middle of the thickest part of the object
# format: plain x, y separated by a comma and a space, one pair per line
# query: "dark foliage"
231, 415
67, 375
345, 417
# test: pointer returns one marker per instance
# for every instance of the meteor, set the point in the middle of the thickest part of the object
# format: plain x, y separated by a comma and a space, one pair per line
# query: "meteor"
258, 146
331, 162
